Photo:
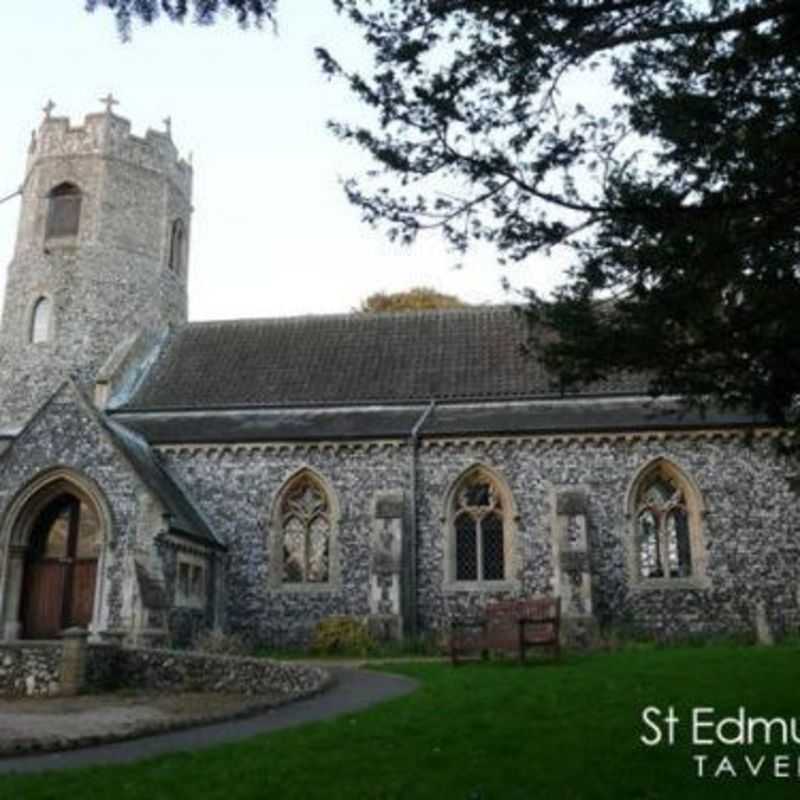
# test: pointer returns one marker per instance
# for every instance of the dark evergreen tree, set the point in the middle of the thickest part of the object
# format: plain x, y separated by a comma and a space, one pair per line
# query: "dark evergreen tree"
203, 12
680, 204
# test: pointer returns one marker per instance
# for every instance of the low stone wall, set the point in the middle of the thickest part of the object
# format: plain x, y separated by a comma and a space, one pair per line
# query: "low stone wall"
34, 669
103, 667
177, 670
31, 669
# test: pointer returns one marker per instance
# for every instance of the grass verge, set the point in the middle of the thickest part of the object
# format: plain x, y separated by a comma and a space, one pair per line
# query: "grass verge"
485, 731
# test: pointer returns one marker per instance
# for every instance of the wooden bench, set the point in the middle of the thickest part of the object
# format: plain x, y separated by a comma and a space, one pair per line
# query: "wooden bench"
510, 626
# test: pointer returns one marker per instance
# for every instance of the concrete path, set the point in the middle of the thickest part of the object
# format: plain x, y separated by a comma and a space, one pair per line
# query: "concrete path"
39, 725
354, 690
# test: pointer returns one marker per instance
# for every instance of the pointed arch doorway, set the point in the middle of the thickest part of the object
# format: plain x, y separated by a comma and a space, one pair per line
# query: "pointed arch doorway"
60, 567
55, 538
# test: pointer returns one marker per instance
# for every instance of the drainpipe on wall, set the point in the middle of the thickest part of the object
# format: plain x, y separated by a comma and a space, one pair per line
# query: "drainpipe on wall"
411, 583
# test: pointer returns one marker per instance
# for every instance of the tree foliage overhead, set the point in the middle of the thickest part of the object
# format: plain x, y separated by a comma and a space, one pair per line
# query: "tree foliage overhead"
203, 12
679, 203
420, 298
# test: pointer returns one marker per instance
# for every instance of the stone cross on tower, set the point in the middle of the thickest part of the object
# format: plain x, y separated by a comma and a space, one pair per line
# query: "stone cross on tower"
168, 125
109, 102
48, 108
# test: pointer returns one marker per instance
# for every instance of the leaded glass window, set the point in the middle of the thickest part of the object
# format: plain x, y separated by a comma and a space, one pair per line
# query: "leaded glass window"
466, 548
662, 528
63, 211
479, 538
305, 525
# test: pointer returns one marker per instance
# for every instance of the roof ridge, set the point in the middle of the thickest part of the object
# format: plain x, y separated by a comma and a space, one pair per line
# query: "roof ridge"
356, 315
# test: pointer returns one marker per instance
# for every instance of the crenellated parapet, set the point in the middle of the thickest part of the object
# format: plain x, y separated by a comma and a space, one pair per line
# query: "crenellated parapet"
107, 135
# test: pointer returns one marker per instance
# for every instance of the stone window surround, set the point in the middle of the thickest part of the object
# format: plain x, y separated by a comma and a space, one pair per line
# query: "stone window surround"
510, 535
29, 319
274, 541
15, 535
69, 240
696, 509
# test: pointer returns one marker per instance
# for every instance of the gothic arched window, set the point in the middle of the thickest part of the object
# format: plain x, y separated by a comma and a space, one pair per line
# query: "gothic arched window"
479, 530
63, 211
177, 244
305, 524
41, 320
666, 517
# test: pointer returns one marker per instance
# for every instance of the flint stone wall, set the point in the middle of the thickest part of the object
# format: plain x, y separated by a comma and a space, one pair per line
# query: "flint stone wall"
753, 550
104, 663
33, 669
30, 669
87, 289
237, 490
174, 670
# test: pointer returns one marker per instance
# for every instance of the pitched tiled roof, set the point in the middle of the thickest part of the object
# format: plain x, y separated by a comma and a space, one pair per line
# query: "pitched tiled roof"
475, 353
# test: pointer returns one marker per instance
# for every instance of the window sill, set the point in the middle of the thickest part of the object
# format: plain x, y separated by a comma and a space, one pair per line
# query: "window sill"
61, 243
185, 603
697, 583
481, 586
304, 588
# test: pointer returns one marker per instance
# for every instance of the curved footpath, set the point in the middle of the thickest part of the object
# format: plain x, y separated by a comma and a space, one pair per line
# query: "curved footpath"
353, 690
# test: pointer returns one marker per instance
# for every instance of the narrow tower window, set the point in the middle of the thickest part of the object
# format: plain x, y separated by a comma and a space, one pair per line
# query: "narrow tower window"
63, 211
176, 246
40, 321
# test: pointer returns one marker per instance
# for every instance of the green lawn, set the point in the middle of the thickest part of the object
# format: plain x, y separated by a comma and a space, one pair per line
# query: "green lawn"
487, 731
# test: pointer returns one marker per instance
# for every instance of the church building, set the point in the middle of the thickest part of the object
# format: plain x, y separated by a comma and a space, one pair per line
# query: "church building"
159, 477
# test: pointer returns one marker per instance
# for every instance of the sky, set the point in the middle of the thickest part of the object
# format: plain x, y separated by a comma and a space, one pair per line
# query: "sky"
272, 233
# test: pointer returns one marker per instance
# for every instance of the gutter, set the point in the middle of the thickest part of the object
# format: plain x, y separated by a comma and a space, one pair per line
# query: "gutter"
411, 582
300, 405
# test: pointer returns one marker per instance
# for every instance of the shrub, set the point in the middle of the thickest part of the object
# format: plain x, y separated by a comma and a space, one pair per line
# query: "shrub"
342, 636
220, 643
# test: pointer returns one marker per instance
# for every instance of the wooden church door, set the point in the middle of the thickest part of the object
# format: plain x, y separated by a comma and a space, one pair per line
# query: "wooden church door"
61, 569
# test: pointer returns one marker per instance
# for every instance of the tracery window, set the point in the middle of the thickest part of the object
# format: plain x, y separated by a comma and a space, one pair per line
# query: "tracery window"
63, 211
665, 541
478, 529
40, 321
305, 527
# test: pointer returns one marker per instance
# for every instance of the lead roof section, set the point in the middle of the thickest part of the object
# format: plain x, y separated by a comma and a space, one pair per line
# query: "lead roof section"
456, 419
184, 516
463, 354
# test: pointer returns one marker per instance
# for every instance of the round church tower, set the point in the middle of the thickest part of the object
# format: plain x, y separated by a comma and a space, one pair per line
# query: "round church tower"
101, 253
